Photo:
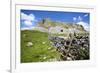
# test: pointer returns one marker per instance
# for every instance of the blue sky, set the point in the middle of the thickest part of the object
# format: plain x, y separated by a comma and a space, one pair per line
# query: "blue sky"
29, 18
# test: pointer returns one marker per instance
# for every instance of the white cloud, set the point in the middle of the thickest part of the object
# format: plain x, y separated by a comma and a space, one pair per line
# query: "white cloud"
84, 24
85, 15
28, 20
30, 17
80, 18
28, 23
74, 18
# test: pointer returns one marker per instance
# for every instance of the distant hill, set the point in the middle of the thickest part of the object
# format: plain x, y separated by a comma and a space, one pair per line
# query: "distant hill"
47, 25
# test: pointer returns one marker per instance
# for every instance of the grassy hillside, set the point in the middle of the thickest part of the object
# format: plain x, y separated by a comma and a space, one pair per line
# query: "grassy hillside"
40, 49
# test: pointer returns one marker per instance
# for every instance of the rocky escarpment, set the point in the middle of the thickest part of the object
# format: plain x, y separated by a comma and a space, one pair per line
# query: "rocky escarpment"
47, 25
75, 48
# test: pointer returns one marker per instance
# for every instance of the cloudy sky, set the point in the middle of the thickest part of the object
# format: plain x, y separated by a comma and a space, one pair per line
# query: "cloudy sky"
29, 18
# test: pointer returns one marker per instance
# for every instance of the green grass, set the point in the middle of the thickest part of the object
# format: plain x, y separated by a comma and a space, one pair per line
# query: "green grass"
38, 52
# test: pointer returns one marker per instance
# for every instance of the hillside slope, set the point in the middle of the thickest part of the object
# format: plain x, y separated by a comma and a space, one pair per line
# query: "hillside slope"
35, 47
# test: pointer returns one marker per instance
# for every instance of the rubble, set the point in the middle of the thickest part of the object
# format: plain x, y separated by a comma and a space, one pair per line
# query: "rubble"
75, 48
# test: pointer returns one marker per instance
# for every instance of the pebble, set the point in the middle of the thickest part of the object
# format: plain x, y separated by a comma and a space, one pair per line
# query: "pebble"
29, 44
43, 42
44, 57
49, 48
